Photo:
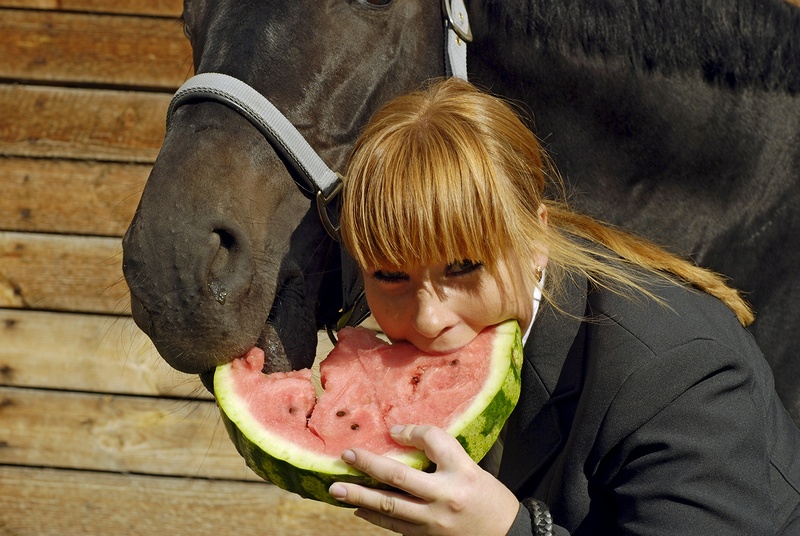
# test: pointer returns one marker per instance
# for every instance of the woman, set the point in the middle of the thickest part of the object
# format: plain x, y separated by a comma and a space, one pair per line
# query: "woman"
646, 408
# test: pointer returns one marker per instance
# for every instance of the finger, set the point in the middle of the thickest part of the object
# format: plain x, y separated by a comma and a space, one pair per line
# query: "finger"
391, 472
440, 447
379, 503
406, 528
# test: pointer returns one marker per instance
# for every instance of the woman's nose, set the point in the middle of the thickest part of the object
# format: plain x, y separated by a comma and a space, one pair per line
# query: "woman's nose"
433, 315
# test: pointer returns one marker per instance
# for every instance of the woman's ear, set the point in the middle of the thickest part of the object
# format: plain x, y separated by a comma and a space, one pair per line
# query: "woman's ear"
542, 213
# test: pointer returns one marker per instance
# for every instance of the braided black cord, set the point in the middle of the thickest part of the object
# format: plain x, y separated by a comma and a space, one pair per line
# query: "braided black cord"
541, 519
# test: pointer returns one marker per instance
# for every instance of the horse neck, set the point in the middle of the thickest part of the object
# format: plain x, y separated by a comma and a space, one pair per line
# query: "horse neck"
736, 44
620, 97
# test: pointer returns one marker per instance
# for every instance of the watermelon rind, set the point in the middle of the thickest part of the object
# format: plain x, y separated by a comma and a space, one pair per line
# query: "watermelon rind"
479, 426
310, 474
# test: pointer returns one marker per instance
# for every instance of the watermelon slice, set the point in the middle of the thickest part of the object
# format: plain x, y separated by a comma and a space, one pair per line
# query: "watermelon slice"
293, 436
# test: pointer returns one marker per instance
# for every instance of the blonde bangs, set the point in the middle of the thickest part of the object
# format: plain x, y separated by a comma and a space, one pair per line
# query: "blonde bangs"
423, 195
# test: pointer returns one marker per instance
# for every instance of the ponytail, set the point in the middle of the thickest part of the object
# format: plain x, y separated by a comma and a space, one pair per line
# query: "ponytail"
642, 253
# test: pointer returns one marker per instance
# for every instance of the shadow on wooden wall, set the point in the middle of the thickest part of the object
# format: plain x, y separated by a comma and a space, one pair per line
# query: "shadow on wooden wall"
97, 435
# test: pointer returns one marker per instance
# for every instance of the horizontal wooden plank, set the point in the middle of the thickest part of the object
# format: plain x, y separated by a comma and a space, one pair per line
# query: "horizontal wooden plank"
164, 8
79, 48
115, 433
62, 272
53, 122
62, 196
105, 354
73, 503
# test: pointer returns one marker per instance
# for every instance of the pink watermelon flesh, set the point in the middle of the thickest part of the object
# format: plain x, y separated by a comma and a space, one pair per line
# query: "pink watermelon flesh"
369, 386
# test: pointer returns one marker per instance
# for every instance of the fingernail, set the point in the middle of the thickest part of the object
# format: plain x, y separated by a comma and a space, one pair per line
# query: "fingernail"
338, 491
349, 456
397, 429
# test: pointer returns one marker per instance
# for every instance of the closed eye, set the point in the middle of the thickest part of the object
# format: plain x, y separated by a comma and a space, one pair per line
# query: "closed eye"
374, 3
463, 267
386, 276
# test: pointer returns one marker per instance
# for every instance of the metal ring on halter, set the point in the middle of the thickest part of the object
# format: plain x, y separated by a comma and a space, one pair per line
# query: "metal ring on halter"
322, 207
352, 316
458, 18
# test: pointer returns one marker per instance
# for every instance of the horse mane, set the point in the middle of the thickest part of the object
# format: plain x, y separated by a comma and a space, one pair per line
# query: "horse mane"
733, 43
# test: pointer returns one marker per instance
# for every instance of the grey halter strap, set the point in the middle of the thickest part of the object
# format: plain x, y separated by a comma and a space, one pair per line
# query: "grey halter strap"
457, 35
312, 174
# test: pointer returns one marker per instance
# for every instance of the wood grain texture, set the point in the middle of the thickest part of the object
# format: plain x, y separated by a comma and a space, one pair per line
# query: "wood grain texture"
125, 434
80, 352
81, 48
62, 272
46, 502
81, 124
65, 196
164, 8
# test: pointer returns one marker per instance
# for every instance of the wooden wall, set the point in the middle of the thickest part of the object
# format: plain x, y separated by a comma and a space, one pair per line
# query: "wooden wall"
97, 435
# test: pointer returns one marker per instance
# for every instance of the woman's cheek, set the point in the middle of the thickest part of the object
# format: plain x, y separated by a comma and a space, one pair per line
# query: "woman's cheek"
384, 309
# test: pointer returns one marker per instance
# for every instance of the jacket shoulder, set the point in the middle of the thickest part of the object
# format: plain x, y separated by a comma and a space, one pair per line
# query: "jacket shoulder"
645, 352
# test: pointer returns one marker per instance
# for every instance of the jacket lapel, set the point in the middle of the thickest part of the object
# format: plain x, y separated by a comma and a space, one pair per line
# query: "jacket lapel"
552, 375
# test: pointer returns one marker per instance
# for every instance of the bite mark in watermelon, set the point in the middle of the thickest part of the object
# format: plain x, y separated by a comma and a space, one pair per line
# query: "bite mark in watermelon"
294, 437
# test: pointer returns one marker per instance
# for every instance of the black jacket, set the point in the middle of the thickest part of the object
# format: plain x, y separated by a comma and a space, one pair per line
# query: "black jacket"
647, 418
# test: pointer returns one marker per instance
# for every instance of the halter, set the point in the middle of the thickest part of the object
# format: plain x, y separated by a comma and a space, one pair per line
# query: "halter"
314, 178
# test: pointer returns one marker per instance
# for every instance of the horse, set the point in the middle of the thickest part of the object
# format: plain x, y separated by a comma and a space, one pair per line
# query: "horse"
677, 120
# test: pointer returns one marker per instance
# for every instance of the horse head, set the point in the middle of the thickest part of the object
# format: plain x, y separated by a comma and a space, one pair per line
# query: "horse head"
225, 251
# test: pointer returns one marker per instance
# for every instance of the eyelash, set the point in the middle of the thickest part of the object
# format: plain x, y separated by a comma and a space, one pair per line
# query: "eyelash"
463, 268
454, 269
389, 277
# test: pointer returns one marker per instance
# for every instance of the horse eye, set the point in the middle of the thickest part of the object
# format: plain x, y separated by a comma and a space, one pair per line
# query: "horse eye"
376, 3
186, 31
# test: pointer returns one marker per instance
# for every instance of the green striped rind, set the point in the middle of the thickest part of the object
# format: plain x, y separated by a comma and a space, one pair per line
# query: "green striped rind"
310, 474
480, 425
307, 483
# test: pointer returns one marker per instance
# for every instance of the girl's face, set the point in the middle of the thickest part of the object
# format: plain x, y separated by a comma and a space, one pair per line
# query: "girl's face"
441, 308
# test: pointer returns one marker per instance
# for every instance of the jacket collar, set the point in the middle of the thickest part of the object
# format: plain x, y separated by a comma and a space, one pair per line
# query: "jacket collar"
552, 376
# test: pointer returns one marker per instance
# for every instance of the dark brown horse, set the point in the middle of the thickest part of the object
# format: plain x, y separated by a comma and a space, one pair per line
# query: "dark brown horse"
680, 120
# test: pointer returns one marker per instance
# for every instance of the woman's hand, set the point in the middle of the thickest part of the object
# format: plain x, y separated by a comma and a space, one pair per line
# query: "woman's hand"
460, 498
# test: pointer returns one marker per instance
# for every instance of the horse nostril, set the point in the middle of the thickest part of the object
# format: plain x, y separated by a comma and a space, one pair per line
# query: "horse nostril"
226, 239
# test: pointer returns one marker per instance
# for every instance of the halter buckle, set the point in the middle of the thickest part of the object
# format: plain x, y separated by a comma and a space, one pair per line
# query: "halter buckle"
456, 13
322, 208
